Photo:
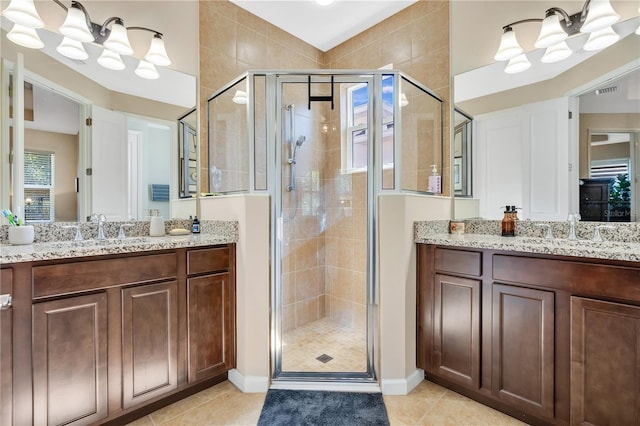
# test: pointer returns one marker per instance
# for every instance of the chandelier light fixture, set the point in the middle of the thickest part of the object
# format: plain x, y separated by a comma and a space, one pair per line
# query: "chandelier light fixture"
595, 19
78, 29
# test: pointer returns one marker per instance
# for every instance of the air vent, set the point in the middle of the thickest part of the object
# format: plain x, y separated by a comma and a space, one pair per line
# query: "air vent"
606, 90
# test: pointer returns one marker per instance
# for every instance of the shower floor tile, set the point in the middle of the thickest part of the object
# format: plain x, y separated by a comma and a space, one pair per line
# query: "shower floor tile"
302, 347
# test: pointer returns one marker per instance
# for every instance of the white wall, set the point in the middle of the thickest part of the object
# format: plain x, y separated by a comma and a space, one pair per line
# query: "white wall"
522, 158
397, 279
252, 284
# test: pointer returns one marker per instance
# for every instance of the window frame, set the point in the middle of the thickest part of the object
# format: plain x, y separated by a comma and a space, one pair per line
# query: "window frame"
50, 187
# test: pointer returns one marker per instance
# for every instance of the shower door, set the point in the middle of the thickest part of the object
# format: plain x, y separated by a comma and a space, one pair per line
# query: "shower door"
323, 242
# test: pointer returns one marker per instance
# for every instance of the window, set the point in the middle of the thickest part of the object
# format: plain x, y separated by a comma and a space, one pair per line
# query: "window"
39, 171
609, 168
355, 147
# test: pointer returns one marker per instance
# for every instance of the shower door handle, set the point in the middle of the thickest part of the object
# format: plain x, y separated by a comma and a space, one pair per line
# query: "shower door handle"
279, 229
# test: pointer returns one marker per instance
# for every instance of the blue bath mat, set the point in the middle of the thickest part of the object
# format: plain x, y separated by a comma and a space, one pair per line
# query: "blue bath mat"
294, 407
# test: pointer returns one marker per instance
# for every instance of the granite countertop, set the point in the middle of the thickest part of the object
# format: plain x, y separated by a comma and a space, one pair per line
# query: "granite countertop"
434, 233
56, 242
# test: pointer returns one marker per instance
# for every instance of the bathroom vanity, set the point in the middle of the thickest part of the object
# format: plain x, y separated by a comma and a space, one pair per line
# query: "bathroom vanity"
548, 338
106, 334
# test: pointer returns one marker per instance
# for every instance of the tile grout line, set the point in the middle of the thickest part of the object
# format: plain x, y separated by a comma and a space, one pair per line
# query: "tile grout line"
431, 408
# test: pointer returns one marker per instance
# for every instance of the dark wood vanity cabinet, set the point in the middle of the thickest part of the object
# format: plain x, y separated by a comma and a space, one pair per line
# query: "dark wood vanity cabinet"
546, 339
110, 338
6, 350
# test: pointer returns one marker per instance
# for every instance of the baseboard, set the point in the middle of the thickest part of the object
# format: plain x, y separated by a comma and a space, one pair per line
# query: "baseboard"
330, 386
402, 386
249, 384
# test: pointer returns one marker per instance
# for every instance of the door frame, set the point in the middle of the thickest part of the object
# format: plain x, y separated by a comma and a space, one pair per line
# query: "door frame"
374, 173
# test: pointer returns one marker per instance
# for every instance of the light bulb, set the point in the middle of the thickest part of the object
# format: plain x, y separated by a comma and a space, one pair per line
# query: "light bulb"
556, 53
517, 64
509, 46
147, 70
72, 49
24, 13
111, 60
601, 39
25, 37
157, 53
118, 40
75, 25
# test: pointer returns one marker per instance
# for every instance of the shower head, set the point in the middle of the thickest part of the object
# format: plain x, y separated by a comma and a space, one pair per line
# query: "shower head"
300, 140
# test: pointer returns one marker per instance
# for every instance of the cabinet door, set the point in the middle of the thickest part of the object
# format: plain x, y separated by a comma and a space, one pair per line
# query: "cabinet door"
149, 341
456, 335
605, 363
523, 348
211, 325
70, 360
6, 348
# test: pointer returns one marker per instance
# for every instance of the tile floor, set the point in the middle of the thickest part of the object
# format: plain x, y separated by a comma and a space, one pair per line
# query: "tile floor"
345, 345
427, 404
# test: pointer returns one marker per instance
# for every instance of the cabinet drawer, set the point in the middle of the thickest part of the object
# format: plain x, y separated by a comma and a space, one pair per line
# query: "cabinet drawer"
458, 261
65, 278
207, 260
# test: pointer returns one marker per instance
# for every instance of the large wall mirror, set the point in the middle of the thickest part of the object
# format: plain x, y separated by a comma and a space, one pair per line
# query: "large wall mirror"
528, 150
127, 161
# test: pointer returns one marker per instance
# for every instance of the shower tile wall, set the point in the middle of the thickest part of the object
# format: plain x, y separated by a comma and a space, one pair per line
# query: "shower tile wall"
416, 41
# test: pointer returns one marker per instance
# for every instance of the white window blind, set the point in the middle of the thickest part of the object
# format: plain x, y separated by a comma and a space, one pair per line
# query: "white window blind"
39, 172
609, 168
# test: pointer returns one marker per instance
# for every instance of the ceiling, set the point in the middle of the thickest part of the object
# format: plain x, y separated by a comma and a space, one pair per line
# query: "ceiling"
324, 27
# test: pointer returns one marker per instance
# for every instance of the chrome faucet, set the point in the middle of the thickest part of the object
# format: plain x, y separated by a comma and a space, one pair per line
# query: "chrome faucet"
101, 220
596, 233
78, 229
549, 235
572, 219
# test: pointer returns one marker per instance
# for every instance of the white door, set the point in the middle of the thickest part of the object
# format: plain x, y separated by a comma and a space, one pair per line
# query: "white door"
109, 162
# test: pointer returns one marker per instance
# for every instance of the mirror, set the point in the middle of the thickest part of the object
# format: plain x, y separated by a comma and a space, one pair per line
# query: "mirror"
462, 154
139, 174
597, 71
187, 153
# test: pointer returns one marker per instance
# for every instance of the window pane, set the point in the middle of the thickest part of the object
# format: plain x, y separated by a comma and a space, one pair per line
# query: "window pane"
38, 205
360, 106
38, 168
359, 158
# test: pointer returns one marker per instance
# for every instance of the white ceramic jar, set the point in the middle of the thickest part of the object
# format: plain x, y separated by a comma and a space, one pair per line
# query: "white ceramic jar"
19, 235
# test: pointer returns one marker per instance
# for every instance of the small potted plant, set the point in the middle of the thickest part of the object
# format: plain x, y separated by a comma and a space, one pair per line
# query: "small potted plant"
620, 199
19, 233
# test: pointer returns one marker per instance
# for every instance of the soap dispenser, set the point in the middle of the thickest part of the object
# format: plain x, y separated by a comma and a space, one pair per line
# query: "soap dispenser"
156, 227
508, 224
435, 181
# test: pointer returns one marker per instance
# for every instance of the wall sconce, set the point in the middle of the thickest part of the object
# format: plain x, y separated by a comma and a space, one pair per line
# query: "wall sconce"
595, 18
240, 97
77, 29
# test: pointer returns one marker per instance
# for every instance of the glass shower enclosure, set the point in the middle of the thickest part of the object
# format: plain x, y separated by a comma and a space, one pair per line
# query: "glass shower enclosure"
324, 144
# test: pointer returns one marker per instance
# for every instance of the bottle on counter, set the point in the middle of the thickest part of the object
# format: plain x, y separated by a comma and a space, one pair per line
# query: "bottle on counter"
156, 227
508, 223
195, 226
435, 181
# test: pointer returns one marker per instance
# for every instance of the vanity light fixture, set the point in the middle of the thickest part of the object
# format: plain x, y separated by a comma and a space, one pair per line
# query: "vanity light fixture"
595, 18
78, 28
240, 97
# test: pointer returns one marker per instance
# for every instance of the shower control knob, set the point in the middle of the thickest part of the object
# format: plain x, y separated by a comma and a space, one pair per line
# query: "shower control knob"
292, 161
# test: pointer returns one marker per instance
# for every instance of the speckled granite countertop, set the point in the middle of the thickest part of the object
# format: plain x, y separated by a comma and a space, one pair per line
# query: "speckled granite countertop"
215, 232
436, 232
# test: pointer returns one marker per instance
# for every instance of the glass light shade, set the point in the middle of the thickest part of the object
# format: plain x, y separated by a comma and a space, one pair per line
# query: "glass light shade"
147, 70
601, 39
72, 49
23, 12
556, 53
118, 40
403, 100
638, 29
111, 60
599, 16
517, 64
25, 37
240, 97
551, 32
75, 26
157, 54
509, 46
